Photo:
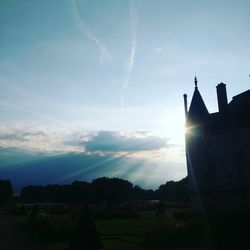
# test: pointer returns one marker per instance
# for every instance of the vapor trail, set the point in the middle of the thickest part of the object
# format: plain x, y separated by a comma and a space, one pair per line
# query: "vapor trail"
17, 32
11, 105
104, 54
130, 63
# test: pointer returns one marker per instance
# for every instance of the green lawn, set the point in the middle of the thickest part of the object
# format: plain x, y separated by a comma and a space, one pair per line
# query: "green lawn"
56, 246
134, 234
123, 226
123, 234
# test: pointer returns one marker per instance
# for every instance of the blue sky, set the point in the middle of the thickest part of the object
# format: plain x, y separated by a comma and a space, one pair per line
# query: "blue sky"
73, 72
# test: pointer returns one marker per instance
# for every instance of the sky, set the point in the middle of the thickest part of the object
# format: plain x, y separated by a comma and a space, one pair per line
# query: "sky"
105, 80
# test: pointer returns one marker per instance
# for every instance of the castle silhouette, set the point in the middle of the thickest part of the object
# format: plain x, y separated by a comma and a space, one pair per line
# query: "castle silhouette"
218, 151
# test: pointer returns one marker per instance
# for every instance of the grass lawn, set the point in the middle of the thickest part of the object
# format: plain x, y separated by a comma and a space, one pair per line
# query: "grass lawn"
123, 226
56, 246
123, 234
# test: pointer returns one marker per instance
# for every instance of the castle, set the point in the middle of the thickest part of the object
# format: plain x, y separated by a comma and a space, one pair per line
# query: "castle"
218, 151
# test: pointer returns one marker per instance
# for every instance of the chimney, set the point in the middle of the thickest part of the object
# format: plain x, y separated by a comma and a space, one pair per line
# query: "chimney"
222, 97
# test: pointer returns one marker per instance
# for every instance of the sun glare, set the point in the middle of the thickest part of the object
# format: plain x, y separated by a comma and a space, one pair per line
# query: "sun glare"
173, 128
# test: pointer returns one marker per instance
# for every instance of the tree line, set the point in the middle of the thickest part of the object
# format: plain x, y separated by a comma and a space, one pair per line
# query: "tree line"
110, 190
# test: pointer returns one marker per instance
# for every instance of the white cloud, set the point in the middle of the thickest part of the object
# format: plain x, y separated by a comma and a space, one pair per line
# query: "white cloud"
43, 139
54, 140
138, 156
124, 143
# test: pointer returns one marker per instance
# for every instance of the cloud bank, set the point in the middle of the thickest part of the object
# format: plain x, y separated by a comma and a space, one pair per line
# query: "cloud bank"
113, 141
53, 155
55, 140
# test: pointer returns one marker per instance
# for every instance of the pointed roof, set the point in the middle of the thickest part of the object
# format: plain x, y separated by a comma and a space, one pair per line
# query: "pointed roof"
198, 110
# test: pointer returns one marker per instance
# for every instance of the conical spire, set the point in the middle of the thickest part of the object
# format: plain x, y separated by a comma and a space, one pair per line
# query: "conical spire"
198, 110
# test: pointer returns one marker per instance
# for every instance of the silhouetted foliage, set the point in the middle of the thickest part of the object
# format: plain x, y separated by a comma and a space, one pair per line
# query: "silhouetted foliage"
21, 210
169, 233
174, 191
104, 190
161, 209
112, 190
85, 235
5, 192
141, 194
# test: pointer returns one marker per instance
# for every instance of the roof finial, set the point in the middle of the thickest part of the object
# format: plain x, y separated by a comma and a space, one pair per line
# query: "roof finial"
195, 82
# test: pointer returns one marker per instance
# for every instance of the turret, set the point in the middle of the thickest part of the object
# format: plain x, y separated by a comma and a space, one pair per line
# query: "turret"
185, 104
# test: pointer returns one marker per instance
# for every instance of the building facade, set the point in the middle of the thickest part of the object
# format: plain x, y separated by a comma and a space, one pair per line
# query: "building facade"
218, 151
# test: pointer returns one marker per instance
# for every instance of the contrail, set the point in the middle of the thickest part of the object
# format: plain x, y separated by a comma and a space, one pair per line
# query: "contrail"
17, 32
11, 105
104, 54
131, 59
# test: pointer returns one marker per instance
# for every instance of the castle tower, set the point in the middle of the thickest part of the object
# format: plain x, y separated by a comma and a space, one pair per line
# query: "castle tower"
198, 161
217, 151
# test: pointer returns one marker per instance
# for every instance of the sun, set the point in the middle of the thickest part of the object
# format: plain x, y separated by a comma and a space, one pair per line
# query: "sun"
173, 127
176, 129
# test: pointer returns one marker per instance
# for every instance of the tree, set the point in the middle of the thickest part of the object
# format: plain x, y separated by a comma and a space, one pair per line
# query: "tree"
5, 192
86, 235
